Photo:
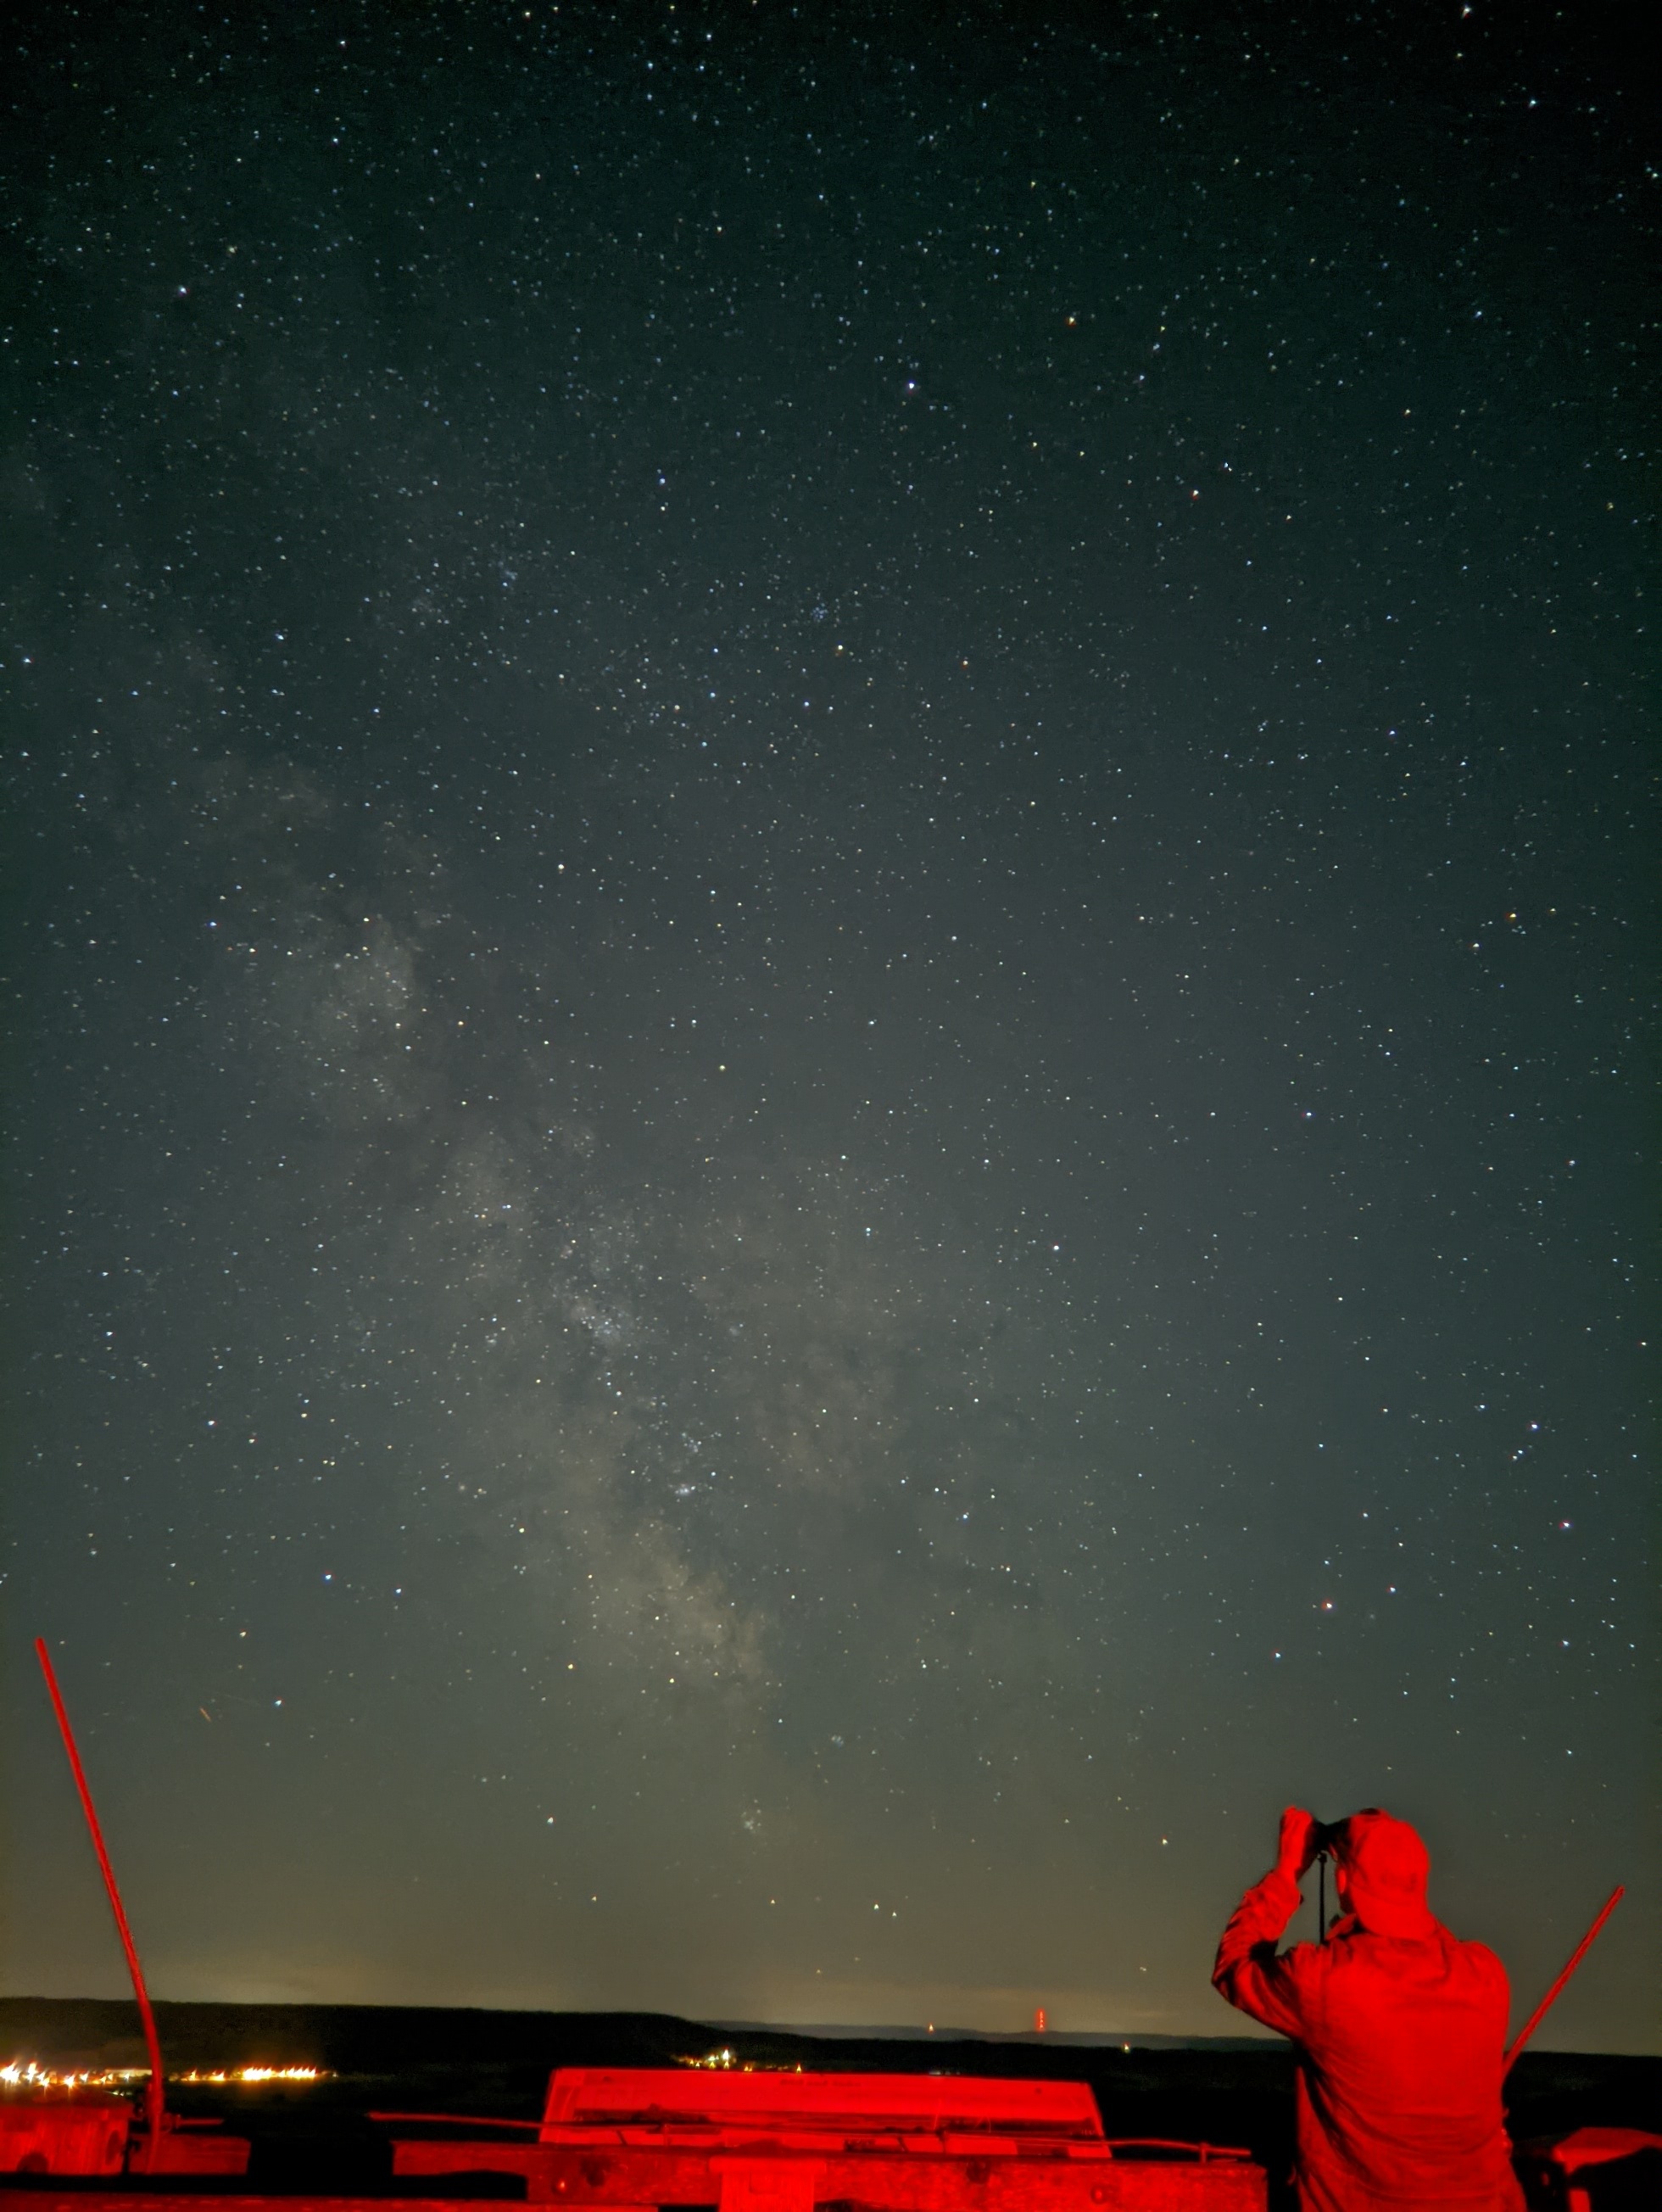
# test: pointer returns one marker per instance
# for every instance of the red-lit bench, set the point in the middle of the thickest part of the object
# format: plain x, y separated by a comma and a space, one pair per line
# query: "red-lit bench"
881, 2142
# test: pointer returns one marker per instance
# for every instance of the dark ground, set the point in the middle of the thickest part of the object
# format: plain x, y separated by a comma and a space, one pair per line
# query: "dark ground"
411, 2059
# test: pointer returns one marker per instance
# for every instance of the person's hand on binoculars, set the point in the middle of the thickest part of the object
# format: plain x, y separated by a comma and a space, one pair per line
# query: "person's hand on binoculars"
1298, 1845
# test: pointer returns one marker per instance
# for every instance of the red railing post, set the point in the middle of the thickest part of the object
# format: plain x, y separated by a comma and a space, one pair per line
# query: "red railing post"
155, 2089
1570, 1965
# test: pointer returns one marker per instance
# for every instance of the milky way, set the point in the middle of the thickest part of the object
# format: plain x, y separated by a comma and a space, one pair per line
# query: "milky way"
829, 923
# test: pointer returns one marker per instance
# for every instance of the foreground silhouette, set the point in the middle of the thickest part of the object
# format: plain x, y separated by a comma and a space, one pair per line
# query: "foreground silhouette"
1399, 2027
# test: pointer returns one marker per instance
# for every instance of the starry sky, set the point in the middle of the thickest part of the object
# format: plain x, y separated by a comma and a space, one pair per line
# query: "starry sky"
829, 959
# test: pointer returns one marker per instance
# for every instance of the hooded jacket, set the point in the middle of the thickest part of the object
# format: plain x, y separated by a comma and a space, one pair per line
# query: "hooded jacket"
1400, 2041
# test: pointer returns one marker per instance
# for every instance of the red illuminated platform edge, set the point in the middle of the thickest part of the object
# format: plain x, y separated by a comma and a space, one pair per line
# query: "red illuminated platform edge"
626, 2139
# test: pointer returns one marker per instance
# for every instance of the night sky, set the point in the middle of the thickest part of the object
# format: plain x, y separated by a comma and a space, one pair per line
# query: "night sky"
828, 944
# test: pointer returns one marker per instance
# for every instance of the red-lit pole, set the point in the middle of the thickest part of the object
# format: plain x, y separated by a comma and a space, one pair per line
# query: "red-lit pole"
155, 2088
1551, 1996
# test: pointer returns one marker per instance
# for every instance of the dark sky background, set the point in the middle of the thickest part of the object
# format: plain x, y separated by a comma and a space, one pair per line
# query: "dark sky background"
829, 943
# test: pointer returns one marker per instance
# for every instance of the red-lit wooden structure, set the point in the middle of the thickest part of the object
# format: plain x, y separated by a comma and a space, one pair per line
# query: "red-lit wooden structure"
788, 2142
82, 2131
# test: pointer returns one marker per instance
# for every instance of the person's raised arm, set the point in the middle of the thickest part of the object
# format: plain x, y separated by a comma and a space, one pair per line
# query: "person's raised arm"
1247, 1972
1295, 1846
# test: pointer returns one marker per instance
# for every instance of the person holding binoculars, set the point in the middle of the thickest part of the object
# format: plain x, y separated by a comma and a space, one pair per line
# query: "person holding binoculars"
1399, 2027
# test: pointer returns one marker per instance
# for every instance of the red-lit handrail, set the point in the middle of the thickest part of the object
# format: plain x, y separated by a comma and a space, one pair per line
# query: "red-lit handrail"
1202, 2151
155, 2088
1570, 1965
456, 2120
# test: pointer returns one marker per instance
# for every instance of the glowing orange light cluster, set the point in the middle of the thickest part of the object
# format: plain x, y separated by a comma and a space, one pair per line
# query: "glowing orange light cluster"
28, 2074
237, 2075
724, 2061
